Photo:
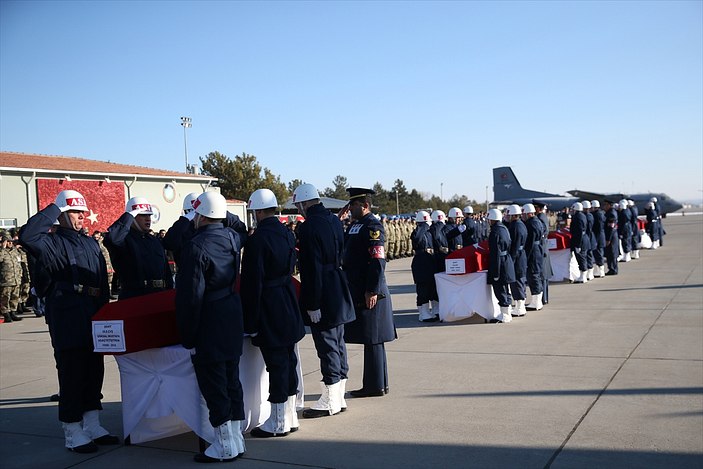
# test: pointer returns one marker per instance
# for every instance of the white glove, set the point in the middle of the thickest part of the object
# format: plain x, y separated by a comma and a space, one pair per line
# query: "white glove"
134, 213
578, 250
462, 228
476, 246
65, 208
315, 316
190, 215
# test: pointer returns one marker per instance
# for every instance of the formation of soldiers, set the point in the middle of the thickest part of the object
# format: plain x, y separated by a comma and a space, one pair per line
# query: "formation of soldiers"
15, 279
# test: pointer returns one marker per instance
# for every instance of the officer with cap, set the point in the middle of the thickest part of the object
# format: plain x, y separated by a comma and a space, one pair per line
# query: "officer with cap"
138, 257
209, 318
271, 313
547, 272
77, 291
324, 296
501, 268
518, 238
612, 246
535, 256
423, 267
364, 264
599, 237
182, 229
580, 242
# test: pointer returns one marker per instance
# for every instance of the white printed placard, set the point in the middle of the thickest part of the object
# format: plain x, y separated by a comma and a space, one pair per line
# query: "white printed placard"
108, 336
551, 243
455, 266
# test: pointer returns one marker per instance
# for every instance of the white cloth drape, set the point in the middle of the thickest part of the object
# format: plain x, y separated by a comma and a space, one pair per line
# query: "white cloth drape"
564, 265
462, 296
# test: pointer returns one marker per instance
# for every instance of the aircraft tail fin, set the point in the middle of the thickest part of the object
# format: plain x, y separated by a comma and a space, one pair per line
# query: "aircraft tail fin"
507, 187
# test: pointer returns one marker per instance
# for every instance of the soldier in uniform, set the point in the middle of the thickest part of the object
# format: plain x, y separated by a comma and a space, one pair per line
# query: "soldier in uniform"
591, 238
547, 272
518, 238
625, 230
324, 296
77, 291
138, 257
271, 313
409, 227
209, 317
364, 264
471, 235
392, 241
26, 280
652, 224
440, 244
636, 238
501, 268
612, 248
580, 242
10, 278
599, 238
535, 256
455, 219
423, 267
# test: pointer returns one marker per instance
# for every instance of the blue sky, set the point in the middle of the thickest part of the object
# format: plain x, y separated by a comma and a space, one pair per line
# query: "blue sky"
603, 96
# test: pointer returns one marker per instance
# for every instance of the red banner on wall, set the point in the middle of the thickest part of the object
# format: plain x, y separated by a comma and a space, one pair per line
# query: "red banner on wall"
105, 199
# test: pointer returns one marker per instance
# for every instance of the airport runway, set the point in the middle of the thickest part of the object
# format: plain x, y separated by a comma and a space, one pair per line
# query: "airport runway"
608, 375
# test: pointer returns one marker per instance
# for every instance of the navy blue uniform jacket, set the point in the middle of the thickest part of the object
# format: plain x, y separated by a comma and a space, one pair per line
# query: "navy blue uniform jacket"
579, 237
423, 261
208, 311
268, 297
599, 228
364, 263
323, 283
501, 268
138, 258
518, 238
68, 312
533, 244
470, 236
590, 221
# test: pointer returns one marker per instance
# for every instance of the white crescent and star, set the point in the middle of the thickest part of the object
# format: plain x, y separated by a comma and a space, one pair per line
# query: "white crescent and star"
93, 217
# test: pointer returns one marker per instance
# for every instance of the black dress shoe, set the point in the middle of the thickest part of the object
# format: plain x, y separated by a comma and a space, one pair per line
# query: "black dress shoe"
202, 457
259, 433
14, 316
367, 393
84, 449
315, 413
610, 272
6, 317
107, 440
54, 398
432, 319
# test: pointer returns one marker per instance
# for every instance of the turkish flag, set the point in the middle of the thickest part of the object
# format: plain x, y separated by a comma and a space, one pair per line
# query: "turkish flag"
105, 200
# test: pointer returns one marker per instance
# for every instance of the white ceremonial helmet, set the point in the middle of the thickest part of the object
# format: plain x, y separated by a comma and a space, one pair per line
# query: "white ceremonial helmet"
630, 202
623, 204
139, 203
72, 199
528, 208
261, 199
188, 202
455, 212
305, 192
468, 209
438, 215
422, 216
514, 209
577, 207
586, 204
494, 214
211, 204
653, 199
595, 204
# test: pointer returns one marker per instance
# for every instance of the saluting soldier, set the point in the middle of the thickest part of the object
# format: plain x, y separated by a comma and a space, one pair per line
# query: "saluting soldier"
138, 257
455, 219
364, 263
471, 235
78, 289
324, 296
209, 317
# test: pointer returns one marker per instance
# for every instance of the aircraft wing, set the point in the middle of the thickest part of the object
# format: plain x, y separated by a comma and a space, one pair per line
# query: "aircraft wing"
585, 195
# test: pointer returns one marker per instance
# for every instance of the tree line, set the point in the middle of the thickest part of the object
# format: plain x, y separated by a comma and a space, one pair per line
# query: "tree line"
242, 175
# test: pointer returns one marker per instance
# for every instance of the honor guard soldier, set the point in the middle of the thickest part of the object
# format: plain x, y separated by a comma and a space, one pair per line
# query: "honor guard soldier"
456, 218
138, 257
591, 238
660, 224
77, 291
518, 238
636, 238
579, 241
440, 243
535, 256
364, 264
182, 229
599, 235
471, 234
612, 248
652, 224
324, 296
501, 268
271, 313
625, 229
209, 317
547, 272
423, 267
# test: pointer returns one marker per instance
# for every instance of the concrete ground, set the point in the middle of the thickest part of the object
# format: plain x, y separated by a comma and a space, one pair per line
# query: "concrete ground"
608, 375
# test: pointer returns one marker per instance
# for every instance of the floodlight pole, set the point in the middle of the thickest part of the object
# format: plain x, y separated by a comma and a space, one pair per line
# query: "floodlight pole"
186, 122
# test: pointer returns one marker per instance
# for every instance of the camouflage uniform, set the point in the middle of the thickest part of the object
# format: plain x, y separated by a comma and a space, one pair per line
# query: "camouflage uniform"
392, 240
386, 247
25, 282
402, 235
10, 277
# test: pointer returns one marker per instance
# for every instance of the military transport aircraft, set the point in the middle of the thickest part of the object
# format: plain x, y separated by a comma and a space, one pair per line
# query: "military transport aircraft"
507, 190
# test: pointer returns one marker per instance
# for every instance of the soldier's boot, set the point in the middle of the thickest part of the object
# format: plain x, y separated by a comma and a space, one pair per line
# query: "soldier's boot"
635, 253
224, 448
275, 425
329, 403
99, 435
425, 313
342, 392
505, 314
6, 317
536, 303
519, 309
590, 274
77, 439
600, 271
14, 316
292, 423
435, 308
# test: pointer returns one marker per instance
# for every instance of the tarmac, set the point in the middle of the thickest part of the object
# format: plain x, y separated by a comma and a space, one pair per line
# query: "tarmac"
608, 375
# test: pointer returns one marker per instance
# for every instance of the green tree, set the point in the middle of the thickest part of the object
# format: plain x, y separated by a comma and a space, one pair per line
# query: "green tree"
293, 185
217, 165
338, 189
